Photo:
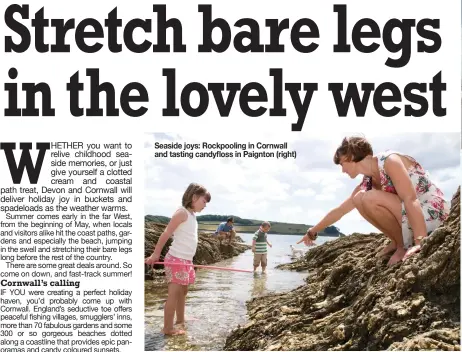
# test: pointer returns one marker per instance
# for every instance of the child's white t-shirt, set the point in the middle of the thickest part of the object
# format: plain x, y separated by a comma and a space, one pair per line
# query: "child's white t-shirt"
185, 238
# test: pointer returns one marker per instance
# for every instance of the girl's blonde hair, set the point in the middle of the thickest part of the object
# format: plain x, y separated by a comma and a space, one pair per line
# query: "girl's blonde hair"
192, 190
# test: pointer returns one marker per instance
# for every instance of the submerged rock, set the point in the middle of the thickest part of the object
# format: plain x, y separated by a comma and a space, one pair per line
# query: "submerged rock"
353, 301
209, 248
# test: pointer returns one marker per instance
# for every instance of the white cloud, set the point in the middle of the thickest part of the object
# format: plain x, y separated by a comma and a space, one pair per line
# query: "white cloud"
305, 192
322, 197
291, 213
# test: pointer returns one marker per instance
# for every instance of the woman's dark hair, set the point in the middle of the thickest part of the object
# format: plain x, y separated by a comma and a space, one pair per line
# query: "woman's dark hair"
192, 190
353, 149
230, 219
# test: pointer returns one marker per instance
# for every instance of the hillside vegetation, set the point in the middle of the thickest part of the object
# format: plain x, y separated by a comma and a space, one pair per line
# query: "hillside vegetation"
210, 223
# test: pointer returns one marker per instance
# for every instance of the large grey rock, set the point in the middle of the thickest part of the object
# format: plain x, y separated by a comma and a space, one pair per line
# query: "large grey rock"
353, 301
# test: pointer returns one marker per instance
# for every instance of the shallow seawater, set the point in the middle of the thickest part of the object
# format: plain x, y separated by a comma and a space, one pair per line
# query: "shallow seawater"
216, 303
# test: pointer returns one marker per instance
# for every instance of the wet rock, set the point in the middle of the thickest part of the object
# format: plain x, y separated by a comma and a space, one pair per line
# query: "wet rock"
209, 249
353, 301
440, 340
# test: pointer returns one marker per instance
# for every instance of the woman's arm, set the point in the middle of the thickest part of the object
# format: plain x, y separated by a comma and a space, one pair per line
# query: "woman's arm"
395, 168
177, 218
335, 214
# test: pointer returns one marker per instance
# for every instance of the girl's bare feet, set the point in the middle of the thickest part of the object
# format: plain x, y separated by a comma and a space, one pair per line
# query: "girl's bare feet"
388, 249
397, 256
180, 324
173, 331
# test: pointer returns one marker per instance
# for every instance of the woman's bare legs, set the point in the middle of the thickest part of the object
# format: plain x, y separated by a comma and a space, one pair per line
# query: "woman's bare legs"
383, 210
385, 227
175, 291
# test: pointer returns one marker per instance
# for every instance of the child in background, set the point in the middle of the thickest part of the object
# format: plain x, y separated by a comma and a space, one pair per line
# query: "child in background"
259, 247
183, 226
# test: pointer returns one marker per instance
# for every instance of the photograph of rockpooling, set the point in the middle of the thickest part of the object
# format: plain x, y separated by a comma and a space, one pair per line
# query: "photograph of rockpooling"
352, 245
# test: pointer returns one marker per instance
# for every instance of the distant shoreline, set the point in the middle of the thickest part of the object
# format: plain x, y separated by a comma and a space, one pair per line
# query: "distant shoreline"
209, 223
273, 233
276, 228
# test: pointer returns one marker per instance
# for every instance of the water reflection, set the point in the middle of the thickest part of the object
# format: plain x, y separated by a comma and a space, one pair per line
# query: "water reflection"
259, 287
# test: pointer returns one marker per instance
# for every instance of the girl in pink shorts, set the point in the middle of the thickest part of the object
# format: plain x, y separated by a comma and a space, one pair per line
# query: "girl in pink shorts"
179, 271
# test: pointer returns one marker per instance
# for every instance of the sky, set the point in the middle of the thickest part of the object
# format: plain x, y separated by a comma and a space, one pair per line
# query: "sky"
299, 190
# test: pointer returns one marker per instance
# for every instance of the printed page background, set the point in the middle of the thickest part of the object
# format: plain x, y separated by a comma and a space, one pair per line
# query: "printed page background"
322, 122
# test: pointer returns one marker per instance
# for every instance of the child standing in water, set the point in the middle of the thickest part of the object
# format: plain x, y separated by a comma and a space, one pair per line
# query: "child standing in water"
259, 242
183, 226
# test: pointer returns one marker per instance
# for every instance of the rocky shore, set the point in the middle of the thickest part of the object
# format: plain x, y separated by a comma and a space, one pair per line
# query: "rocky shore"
209, 249
353, 301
